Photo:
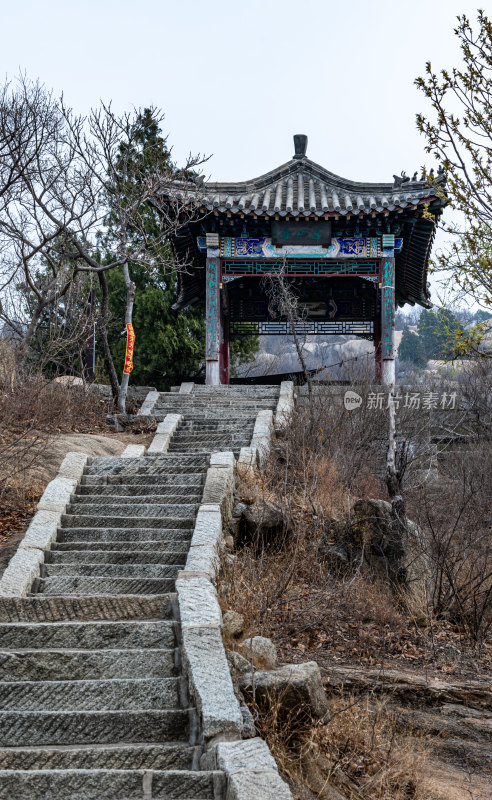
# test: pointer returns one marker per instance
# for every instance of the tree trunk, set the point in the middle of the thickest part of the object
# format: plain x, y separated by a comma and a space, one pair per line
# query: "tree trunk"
29, 334
393, 478
130, 298
300, 356
108, 358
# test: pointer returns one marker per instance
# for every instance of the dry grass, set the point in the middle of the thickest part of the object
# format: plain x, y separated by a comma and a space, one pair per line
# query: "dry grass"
359, 752
33, 411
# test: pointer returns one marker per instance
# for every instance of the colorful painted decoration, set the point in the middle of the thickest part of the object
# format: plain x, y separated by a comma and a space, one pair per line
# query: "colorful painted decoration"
212, 320
357, 247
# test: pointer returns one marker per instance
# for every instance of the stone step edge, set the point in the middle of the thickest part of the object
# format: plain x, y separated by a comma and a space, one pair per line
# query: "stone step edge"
25, 565
248, 765
95, 608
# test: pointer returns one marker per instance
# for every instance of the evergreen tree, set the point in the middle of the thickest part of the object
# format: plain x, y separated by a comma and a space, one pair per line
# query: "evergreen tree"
412, 349
440, 333
168, 344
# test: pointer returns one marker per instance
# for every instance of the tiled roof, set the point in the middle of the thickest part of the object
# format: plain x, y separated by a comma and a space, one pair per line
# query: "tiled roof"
302, 188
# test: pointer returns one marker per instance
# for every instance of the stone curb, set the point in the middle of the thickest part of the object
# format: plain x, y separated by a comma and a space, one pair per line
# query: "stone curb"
133, 451
164, 433
24, 566
258, 449
204, 657
285, 405
250, 769
148, 404
219, 483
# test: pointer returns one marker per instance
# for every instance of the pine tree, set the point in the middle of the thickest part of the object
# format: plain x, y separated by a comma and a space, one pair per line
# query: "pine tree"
440, 332
169, 345
412, 349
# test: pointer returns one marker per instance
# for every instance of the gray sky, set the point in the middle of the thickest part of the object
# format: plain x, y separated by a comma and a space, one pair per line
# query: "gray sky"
237, 79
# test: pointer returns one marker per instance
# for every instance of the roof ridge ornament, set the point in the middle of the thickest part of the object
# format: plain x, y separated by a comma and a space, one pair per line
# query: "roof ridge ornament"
300, 145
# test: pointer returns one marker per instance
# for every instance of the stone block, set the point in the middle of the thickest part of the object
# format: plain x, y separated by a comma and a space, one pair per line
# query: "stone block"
243, 755
57, 494
73, 465
255, 784
246, 461
210, 683
261, 650
21, 571
133, 451
148, 404
203, 559
219, 488
225, 459
233, 624
208, 525
42, 530
298, 685
198, 604
165, 430
186, 388
285, 405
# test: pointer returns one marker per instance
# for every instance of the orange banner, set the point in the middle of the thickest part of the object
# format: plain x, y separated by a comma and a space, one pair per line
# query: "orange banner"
130, 339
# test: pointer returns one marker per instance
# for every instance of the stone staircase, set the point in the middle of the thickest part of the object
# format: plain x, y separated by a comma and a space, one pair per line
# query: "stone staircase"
93, 703
215, 418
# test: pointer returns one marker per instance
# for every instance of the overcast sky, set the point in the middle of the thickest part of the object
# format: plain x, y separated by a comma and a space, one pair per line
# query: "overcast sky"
237, 79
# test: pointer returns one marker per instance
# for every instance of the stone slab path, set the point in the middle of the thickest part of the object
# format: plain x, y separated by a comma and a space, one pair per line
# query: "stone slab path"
93, 703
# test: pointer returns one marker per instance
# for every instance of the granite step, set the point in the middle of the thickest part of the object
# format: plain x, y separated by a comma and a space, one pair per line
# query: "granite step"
76, 665
98, 695
111, 785
207, 438
144, 509
128, 557
22, 728
102, 607
159, 546
143, 490
139, 481
149, 465
133, 472
83, 586
140, 571
136, 535
192, 497
88, 635
113, 521
171, 755
211, 402
204, 447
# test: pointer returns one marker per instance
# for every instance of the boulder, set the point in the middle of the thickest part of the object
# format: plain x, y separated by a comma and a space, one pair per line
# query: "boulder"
232, 625
237, 663
394, 551
238, 510
261, 651
261, 521
298, 688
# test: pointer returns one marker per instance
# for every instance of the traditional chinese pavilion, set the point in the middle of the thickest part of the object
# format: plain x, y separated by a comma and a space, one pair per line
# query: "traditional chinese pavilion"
351, 252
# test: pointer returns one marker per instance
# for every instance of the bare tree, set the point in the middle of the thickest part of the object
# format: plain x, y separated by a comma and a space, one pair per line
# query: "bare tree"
287, 306
76, 174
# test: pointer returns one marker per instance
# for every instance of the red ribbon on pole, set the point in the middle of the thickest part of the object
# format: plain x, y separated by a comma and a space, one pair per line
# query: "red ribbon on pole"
130, 340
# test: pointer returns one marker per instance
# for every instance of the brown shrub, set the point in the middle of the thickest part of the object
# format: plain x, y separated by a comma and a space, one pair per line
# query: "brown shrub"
358, 752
